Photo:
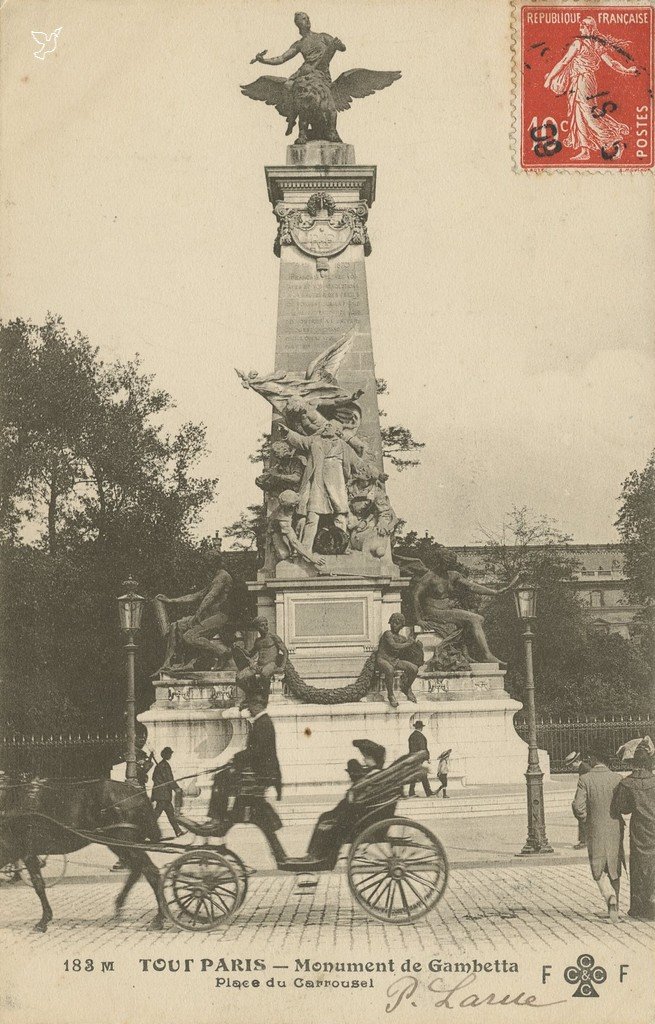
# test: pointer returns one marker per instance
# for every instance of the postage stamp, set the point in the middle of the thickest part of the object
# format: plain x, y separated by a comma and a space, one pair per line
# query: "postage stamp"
586, 87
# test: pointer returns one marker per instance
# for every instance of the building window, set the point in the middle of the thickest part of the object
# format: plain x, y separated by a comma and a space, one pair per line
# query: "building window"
596, 599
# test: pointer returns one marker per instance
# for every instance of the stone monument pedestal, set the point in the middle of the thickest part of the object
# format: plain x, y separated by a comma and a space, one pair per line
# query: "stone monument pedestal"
331, 622
469, 712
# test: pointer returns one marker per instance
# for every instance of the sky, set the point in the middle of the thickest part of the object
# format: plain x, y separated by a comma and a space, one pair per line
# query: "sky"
512, 314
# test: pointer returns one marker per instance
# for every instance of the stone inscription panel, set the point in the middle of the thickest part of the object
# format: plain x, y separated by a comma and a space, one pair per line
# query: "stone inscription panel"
329, 618
314, 311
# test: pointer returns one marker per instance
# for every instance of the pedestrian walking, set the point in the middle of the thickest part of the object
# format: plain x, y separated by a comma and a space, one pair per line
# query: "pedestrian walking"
581, 764
442, 772
591, 804
416, 742
635, 796
163, 787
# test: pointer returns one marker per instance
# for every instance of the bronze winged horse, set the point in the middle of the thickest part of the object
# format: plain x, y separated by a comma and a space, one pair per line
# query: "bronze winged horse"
43, 816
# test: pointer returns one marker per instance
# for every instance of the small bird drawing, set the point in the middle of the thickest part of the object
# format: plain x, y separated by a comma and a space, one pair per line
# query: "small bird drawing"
48, 43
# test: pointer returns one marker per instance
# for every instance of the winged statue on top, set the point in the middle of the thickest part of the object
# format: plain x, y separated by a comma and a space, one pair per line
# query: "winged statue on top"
309, 97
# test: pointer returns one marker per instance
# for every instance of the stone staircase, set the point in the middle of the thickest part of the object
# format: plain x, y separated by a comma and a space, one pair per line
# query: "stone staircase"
462, 802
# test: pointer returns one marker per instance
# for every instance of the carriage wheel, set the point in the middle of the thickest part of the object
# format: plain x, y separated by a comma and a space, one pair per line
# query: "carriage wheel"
201, 890
241, 870
53, 869
397, 870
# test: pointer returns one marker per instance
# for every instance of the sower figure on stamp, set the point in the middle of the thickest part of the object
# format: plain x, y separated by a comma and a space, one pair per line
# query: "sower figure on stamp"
257, 665
575, 76
592, 803
198, 631
396, 653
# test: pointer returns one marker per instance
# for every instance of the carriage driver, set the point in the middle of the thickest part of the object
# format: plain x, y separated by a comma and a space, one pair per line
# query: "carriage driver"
333, 826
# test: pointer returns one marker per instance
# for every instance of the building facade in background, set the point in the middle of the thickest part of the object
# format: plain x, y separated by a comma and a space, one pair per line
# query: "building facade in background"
600, 583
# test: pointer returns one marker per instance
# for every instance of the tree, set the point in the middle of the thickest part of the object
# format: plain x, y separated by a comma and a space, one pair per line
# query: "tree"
83, 453
575, 671
636, 525
532, 545
397, 441
93, 490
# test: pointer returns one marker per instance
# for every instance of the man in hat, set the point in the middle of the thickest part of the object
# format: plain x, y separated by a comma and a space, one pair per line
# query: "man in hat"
442, 772
635, 796
577, 762
261, 749
333, 826
591, 804
163, 787
416, 742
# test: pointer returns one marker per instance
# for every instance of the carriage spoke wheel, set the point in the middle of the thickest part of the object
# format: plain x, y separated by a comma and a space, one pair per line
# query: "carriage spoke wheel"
201, 890
52, 867
397, 870
241, 870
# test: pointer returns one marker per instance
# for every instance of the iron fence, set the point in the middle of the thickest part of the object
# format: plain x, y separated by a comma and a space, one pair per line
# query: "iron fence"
61, 755
562, 736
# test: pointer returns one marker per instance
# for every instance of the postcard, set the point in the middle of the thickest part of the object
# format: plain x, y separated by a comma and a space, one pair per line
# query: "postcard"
327, 477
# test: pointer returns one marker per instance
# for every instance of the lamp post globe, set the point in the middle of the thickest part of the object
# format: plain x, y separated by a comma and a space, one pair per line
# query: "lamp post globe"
525, 599
130, 610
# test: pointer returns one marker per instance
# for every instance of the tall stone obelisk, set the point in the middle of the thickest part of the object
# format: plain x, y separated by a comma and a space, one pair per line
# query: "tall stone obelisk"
321, 198
328, 584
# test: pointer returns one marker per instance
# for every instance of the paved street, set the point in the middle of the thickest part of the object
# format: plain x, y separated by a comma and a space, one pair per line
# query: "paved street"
497, 907
493, 898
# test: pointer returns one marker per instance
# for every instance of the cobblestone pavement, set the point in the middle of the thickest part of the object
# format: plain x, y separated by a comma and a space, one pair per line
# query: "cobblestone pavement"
509, 907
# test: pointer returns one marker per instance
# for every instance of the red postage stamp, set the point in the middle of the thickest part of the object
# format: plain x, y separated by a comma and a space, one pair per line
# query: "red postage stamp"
586, 87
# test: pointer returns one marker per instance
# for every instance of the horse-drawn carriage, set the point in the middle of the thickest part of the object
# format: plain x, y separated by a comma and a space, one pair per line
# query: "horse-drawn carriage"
397, 869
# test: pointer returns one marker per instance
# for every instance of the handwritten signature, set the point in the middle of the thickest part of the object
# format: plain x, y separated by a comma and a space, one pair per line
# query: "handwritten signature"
403, 990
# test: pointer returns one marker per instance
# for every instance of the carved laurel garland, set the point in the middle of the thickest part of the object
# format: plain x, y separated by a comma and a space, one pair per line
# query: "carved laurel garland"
349, 694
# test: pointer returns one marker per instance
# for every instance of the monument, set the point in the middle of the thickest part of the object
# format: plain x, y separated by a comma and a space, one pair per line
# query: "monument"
343, 662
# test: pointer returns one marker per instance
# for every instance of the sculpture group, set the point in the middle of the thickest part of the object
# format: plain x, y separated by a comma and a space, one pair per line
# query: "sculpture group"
323, 483
324, 487
309, 97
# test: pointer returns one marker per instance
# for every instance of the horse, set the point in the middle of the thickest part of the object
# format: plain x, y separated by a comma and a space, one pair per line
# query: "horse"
37, 818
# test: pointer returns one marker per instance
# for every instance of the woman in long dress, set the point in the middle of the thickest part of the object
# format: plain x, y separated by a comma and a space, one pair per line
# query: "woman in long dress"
575, 74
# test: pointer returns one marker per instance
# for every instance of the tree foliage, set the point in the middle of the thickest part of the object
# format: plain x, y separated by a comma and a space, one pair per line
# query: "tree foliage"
93, 489
397, 441
636, 525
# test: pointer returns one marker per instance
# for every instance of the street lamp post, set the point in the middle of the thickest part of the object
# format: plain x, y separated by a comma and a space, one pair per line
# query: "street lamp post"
130, 608
525, 597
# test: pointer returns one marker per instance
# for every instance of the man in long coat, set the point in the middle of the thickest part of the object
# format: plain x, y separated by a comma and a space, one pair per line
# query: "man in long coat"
591, 804
331, 462
636, 796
